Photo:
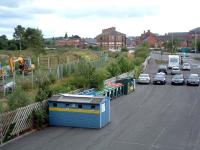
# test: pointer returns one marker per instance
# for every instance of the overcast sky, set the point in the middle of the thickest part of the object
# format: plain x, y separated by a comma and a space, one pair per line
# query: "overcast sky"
87, 18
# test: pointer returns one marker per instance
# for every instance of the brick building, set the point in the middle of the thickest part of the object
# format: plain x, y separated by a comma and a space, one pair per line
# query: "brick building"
73, 41
148, 37
111, 39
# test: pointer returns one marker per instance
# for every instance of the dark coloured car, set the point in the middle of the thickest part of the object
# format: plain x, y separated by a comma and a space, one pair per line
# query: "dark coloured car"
162, 68
159, 79
193, 79
178, 79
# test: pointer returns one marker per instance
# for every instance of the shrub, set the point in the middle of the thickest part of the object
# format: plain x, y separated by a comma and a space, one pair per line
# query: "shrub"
137, 61
113, 69
43, 93
52, 78
17, 99
124, 64
40, 118
98, 77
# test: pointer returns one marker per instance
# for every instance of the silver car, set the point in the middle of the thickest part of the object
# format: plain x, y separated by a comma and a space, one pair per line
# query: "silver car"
186, 66
177, 79
193, 79
144, 78
175, 70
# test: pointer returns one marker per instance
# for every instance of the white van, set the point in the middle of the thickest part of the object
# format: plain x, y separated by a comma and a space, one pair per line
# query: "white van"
173, 61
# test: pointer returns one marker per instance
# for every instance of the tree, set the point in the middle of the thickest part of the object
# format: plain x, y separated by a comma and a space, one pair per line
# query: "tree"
198, 45
12, 45
66, 36
34, 40
19, 35
3, 42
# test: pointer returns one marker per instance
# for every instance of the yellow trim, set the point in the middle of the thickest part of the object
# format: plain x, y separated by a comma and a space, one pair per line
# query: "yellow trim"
87, 111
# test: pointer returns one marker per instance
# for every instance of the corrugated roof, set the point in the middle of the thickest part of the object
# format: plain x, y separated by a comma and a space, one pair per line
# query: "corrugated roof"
86, 99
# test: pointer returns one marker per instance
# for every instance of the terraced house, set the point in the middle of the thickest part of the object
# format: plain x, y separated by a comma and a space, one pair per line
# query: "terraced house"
111, 39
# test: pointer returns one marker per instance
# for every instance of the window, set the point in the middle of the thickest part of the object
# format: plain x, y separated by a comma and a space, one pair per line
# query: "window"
80, 106
92, 106
54, 104
67, 105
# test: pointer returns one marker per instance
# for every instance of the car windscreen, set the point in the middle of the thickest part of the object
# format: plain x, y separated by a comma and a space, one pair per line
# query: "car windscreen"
159, 77
174, 60
144, 75
177, 77
194, 77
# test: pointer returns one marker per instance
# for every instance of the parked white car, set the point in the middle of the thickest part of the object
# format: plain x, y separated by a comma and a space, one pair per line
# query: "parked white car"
186, 66
175, 70
144, 78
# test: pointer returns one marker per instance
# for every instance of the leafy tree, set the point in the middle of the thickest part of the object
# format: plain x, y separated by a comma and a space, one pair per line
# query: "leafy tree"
66, 36
113, 69
3, 42
34, 39
12, 45
19, 36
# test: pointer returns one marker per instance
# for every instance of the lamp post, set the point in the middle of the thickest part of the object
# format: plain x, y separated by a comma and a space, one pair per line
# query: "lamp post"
195, 42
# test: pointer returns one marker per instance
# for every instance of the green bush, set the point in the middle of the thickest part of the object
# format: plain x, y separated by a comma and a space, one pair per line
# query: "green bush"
137, 61
40, 118
43, 93
52, 78
18, 99
98, 77
124, 64
113, 69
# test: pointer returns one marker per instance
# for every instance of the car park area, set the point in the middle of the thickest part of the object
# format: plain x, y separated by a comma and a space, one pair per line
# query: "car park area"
153, 117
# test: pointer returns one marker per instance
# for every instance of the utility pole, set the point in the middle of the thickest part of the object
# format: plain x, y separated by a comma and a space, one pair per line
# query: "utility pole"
195, 42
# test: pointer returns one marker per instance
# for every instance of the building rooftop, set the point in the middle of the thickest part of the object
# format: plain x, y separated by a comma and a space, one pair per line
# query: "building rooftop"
71, 98
195, 30
111, 31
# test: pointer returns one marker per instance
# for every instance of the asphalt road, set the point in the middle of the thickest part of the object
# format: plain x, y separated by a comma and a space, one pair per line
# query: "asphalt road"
155, 117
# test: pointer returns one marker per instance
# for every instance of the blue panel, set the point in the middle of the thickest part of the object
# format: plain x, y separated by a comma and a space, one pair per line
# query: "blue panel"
74, 119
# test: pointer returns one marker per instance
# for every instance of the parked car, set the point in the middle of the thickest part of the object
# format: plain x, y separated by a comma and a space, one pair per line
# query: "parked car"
186, 66
175, 70
193, 79
178, 79
144, 78
162, 68
159, 79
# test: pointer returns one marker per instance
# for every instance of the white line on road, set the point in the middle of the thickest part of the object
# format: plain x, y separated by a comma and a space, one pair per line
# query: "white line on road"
156, 139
